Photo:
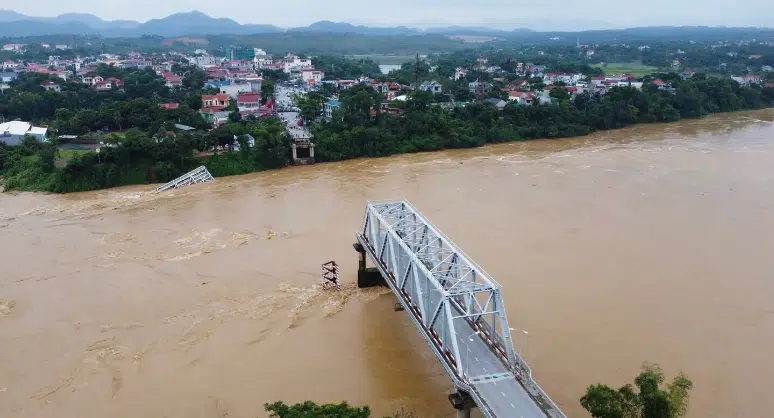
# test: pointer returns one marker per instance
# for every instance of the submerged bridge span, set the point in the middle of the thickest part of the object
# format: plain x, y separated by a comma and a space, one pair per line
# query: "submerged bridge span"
456, 306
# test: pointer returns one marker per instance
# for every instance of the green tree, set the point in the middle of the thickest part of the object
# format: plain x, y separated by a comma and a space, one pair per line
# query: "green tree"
560, 93
310, 104
267, 90
310, 409
650, 401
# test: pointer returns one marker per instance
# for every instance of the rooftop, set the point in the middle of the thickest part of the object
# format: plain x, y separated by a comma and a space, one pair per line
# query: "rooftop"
21, 128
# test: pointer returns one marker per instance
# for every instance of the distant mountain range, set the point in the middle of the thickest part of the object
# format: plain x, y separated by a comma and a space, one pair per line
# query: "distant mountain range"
13, 24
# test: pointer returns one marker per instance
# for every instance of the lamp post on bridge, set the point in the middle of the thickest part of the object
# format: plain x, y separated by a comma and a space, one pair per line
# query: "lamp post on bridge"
523, 342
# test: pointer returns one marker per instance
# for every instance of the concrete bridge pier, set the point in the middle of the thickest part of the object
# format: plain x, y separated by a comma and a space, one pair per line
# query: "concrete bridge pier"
367, 276
462, 402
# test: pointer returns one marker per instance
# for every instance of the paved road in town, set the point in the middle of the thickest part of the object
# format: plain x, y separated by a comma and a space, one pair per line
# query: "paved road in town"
284, 100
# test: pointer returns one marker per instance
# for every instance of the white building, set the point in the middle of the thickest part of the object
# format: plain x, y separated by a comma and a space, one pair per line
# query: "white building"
292, 62
203, 61
263, 62
233, 90
312, 76
12, 133
13, 47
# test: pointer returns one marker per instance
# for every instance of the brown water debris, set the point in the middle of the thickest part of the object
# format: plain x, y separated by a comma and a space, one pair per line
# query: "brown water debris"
6, 306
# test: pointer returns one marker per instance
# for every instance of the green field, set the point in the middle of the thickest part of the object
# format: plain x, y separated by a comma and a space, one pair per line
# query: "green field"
636, 69
386, 59
65, 155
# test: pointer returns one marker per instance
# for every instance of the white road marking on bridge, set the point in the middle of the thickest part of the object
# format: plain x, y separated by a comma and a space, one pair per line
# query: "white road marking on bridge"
476, 358
503, 393
484, 368
513, 406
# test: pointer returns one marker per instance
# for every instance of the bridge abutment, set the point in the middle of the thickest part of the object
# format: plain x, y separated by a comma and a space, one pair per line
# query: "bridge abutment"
462, 402
367, 276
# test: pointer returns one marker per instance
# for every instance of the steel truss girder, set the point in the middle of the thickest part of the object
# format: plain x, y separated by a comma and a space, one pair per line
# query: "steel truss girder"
437, 284
441, 282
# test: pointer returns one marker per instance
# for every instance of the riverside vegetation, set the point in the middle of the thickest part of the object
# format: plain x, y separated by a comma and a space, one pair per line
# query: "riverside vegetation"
151, 150
650, 400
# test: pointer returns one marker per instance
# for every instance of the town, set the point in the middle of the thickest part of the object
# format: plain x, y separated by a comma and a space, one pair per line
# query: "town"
298, 109
257, 211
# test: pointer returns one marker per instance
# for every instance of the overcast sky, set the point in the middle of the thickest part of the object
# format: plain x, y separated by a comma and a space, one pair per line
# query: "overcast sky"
506, 14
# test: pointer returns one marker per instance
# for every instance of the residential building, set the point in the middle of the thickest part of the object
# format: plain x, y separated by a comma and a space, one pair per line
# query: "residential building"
12, 133
172, 80
748, 79
169, 106
14, 47
108, 84
522, 85
460, 73
345, 84
330, 106
312, 76
514, 95
215, 102
292, 63
139, 64
91, 79
50, 85
479, 87
264, 62
247, 101
235, 89
498, 103
8, 77
431, 86
214, 117
203, 61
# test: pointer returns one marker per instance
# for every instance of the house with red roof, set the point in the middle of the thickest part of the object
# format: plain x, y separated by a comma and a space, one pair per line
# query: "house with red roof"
215, 102
50, 85
248, 101
169, 106
172, 79
108, 84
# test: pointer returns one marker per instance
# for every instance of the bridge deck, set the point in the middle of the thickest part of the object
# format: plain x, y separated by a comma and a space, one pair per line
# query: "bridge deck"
458, 311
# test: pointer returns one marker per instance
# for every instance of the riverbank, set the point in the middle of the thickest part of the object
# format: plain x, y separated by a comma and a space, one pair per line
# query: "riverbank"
356, 133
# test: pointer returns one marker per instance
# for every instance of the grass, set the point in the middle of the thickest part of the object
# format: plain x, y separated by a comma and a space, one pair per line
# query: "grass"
636, 69
65, 155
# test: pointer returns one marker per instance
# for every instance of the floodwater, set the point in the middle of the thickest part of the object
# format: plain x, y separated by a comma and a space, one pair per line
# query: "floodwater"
654, 243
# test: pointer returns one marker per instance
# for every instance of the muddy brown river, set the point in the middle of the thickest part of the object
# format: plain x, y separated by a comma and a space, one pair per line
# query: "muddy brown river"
654, 243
